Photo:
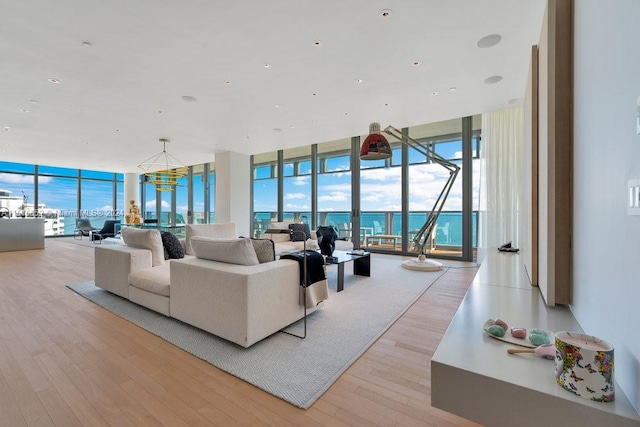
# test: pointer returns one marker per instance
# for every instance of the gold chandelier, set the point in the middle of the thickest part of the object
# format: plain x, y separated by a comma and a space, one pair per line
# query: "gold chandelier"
163, 169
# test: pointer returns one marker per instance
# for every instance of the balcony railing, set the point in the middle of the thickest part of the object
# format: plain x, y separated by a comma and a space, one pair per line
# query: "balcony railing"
448, 232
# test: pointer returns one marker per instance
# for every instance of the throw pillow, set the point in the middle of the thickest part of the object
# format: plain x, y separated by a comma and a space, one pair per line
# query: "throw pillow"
172, 247
233, 251
145, 239
299, 232
265, 250
224, 230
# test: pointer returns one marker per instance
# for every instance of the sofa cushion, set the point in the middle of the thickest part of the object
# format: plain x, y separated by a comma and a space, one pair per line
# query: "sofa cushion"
224, 230
299, 232
278, 232
172, 246
145, 239
265, 250
233, 251
154, 280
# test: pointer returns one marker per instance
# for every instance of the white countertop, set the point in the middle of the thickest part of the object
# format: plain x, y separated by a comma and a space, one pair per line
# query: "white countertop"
473, 375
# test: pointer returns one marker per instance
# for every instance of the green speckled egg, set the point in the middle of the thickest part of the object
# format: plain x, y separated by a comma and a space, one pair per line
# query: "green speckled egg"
496, 330
538, 339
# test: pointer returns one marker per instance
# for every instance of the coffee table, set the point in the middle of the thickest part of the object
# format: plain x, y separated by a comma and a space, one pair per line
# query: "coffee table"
361, 265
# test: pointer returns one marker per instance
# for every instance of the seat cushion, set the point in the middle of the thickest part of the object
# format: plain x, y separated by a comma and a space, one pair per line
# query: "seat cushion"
155, 280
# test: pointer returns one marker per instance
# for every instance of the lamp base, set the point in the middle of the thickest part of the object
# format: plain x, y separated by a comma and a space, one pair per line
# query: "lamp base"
422, 265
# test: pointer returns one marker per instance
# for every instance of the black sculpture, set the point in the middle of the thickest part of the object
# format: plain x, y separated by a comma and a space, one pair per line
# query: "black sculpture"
327, 236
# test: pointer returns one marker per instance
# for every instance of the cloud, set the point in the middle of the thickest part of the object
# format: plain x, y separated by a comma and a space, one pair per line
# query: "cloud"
290, 196
292, 207
151, 205
14, 178
334, 196
298, 180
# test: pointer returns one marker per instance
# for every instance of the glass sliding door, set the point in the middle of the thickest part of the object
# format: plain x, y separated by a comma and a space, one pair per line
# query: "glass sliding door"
333, 167
381, 201
296, 180
427, 180
265, 191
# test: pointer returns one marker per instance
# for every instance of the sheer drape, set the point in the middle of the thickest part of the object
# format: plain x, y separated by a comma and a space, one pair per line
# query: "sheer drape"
501, 177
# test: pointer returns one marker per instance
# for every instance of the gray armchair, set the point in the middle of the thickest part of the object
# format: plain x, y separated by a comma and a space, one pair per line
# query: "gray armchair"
83, 228
108, 230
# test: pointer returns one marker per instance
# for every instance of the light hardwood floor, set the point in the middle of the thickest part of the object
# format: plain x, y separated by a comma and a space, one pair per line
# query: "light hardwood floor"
65, 361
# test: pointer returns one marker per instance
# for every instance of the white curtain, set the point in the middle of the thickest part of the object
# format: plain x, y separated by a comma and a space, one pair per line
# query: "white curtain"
501, 177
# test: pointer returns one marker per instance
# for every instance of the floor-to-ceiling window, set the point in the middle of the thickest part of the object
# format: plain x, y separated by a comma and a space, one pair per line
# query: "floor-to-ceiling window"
199, 187
265, 191
212, 193
428, 190
333, 167
57, 191
97, 198
17, 189
296, 173
396, 195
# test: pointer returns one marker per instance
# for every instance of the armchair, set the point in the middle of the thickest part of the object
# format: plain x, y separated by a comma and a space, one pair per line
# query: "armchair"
108, 230
83, 228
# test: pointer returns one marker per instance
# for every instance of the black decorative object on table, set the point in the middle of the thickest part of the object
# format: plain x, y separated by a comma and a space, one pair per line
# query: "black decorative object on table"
327, 236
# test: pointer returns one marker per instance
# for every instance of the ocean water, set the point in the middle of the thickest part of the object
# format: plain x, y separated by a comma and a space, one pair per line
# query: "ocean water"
448, 232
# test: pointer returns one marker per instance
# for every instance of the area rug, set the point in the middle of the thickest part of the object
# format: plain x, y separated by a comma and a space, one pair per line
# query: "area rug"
296, 370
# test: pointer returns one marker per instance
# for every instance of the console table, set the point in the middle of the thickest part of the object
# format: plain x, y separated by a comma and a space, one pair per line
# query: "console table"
473, 376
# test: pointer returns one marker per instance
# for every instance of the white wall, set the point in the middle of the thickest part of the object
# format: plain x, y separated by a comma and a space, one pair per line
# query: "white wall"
606, 245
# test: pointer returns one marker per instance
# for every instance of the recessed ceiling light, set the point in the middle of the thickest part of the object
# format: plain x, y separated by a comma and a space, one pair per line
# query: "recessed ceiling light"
55, 81
292, 127
386, 104
346, 114
227, 82
314, 94
493, 79
435, 92
277, 130
265, 65
33, 101
189, 98
317, 43
7, 128
386, 13
416, 63
87, 44
488, 41
277, 105
359, 81
452, 89
24, 110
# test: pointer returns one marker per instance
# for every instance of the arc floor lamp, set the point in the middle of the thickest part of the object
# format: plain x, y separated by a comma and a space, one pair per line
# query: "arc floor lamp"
377, 147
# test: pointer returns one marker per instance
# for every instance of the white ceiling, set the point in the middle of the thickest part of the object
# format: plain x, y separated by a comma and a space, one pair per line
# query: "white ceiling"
124, 90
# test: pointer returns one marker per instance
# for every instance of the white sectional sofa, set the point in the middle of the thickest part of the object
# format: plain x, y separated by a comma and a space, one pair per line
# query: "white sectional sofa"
238, 302
283, 243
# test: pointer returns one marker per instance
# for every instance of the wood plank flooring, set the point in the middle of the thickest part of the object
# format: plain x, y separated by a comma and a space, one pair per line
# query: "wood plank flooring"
65, 361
